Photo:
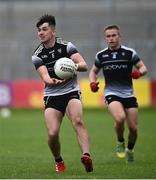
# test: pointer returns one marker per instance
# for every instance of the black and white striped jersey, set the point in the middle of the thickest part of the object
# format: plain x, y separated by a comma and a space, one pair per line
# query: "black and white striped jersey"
117, 67
48, 57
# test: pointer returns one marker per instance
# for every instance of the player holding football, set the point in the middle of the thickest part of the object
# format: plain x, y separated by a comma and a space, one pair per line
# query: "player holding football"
116, 62
60, 96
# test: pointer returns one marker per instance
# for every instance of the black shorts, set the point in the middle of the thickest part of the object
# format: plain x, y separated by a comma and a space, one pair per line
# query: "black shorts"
126, 102
60, 102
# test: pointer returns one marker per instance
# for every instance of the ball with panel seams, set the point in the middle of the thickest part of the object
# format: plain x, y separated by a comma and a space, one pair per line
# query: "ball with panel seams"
65, 68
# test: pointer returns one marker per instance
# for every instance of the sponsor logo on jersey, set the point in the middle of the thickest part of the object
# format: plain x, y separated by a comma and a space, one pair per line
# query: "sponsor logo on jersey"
44, 56
114, 67
105, 55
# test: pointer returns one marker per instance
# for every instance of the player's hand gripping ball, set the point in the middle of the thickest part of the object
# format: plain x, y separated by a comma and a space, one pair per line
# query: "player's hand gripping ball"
65, 68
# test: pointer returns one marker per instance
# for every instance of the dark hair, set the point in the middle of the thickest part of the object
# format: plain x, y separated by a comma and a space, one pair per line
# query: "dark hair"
46, 19
112, 27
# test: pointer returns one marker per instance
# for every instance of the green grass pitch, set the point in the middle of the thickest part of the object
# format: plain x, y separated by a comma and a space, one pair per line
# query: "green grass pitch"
24, 153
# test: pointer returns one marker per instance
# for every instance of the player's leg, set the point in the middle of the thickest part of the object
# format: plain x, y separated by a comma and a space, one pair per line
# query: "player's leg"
53, 119
132, 123
74, 113
118, 113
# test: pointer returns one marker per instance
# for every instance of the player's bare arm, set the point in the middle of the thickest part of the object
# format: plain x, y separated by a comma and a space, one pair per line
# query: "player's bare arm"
141, 68
94, 85
42, 71
80, 62
93, 73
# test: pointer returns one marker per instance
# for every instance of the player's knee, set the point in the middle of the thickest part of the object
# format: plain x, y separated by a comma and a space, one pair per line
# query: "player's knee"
77, 121
52, 134
133, 129
120, 119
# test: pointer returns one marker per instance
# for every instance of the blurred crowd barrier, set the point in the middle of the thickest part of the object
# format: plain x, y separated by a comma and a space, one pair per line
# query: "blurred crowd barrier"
79, 21
29, 94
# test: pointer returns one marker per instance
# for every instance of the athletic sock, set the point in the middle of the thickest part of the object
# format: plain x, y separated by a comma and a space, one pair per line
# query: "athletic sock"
130, 145
121, 140
86, 154
58, 159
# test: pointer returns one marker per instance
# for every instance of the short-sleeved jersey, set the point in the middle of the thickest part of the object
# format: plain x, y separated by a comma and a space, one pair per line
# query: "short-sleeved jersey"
47, 57
117, 67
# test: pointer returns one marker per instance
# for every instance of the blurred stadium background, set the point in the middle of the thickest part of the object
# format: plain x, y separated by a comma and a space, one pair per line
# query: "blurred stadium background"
79, 21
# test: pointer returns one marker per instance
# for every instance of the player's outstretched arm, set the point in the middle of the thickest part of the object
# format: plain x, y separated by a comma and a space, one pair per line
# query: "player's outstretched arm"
43, 72
141, 70
81, 65
94, 85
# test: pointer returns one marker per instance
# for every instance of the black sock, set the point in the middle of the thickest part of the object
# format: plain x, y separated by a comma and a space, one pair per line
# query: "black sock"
86, 154
58, 159
121, 139
130, 145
